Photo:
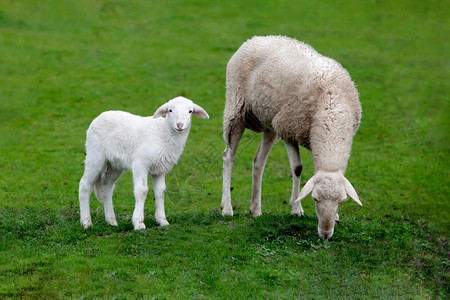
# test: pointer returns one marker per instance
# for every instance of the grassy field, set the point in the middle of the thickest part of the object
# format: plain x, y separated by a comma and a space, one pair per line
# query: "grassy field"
64, 62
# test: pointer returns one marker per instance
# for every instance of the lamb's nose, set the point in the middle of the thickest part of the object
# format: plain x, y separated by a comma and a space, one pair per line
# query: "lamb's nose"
180, 125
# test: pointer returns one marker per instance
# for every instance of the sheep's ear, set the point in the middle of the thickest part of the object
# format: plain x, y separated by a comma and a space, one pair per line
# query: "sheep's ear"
306, 189
200, 112
164, 109
351, 191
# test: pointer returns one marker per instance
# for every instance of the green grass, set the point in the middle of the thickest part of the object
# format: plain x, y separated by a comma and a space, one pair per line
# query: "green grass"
64, 62
203, 254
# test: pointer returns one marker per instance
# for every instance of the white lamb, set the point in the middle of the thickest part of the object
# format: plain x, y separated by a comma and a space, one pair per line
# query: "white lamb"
118, 141
285, 89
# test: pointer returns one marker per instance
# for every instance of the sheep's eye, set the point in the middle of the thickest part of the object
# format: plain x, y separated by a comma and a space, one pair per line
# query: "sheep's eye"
190, 111
170, 110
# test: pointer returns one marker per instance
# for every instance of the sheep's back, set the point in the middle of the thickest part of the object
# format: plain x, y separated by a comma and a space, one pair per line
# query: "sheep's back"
280, 82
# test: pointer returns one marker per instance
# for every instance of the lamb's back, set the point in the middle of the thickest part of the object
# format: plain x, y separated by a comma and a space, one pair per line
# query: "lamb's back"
118, 135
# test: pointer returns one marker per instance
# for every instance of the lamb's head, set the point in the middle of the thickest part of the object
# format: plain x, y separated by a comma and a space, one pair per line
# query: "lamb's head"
329, 190
179, 113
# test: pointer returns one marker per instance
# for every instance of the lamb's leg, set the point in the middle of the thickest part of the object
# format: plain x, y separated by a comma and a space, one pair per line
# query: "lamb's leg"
84, 193
159, 188
233, 136
268, 139
140, 177
92, 171
104, 188
296, 167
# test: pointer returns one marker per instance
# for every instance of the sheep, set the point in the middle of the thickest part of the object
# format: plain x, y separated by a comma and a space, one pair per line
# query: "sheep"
286, 90
119, 141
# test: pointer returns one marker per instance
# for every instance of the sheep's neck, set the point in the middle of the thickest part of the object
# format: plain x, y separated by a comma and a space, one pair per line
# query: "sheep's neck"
331, 143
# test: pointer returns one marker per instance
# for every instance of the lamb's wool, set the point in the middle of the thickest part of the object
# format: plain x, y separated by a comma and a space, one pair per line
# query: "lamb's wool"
120, 138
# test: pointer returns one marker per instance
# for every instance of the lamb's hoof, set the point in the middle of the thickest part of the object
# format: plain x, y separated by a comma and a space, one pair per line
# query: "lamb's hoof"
139, 226
111, 222
86, 223
162, 222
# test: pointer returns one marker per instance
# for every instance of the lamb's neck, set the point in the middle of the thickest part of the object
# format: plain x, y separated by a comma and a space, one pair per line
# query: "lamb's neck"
176, 140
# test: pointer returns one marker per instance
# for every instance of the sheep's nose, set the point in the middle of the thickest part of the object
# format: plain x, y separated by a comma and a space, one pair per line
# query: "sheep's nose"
326, 234
180, 126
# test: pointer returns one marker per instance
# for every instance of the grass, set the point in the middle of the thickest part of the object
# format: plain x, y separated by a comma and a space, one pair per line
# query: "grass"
65, 62
203, 253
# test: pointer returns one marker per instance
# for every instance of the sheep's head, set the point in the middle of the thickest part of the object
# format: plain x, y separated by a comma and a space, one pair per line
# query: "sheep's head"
329, 190
179, 113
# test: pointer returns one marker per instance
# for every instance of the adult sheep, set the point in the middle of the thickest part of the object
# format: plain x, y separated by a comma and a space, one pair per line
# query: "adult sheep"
285, 89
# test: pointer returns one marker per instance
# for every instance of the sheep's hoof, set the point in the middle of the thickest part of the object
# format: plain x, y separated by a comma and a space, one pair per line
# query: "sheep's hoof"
86, 223
256, 212
296, 208
162, 222
298, 213
227, 212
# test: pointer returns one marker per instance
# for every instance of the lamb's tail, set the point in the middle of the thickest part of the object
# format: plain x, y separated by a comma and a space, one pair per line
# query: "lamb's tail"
98, 189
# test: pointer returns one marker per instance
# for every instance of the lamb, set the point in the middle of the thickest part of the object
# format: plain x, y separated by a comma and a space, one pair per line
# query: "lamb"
118, 141
285, 89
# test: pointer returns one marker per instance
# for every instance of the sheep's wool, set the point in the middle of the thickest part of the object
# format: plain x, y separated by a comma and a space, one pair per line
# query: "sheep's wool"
280, 84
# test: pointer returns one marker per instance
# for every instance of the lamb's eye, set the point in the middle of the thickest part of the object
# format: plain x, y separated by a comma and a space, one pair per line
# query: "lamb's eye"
190, 111
170, 110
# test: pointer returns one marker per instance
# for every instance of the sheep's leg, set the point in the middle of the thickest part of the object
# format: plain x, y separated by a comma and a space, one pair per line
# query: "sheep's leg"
296, 167
232, 142
140, 177
268, 139
104, 188
92, 172
159, 188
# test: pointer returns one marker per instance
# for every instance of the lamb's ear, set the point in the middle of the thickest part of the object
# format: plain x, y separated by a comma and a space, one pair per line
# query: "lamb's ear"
351, 191
306, 189
200, 112
164, 109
